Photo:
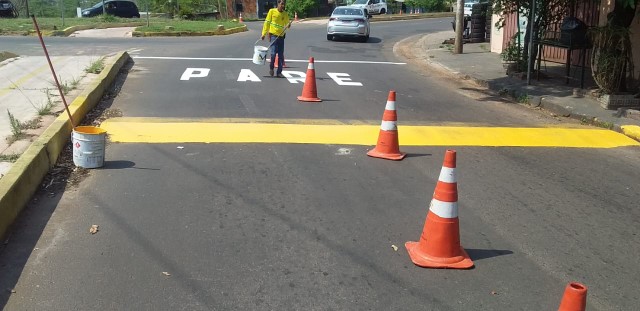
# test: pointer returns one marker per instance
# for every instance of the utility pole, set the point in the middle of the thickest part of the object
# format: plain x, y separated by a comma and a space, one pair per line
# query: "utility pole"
459, 27
531, 33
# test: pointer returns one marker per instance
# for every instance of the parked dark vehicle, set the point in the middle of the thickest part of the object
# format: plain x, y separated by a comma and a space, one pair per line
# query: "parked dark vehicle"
7, 9
119, 8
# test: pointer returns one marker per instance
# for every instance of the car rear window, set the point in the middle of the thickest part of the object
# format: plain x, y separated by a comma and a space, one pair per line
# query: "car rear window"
125, 4
347, 12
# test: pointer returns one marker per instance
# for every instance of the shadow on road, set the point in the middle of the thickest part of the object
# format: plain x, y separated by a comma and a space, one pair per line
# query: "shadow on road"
479, 254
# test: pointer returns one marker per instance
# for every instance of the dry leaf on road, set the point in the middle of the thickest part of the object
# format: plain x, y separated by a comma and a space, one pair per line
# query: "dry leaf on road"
93, 229
166, 273
395, 248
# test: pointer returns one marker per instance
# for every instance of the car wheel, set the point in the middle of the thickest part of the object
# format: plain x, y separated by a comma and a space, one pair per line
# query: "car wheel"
366, 12
383, 11
329, 37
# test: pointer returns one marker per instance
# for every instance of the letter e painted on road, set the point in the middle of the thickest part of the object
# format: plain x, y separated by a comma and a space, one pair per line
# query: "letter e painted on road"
341, 79
247, 75
194, 73
291, 76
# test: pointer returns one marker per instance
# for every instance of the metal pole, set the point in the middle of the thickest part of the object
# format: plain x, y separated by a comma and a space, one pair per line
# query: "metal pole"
459, 27
62, 10
55, 78
532, 15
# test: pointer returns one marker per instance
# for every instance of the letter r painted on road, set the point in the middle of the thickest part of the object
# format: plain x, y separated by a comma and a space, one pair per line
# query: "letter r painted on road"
194, 73
336, 76
291, 76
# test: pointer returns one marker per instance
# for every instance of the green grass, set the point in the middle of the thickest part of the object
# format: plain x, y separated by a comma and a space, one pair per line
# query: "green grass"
188, 26
9, 157
96, 66
47, 25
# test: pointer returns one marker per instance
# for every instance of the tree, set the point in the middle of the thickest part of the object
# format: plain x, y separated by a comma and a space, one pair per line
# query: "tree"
301, 7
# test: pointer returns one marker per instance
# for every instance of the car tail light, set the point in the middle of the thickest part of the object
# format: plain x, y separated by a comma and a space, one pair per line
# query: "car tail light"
332, 18
360, 21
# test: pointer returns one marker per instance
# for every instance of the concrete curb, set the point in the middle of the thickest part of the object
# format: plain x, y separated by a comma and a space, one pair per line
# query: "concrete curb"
69, 30
23, 179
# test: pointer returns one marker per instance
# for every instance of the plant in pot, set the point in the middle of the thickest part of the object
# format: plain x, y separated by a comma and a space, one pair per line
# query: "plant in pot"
611, 60
512, 57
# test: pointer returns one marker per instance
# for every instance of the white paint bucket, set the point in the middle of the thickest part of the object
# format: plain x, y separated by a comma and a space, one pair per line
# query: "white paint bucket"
259, 54
88, 146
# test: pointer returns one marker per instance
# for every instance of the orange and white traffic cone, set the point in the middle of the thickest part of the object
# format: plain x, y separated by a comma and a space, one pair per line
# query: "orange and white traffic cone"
309, 91
275, 64
439, 245
240, 18
574, 298
388, 146
295, 18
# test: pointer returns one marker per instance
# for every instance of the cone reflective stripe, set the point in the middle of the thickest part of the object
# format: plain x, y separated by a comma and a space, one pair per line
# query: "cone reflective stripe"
574, 298
309, 91
439, 245
388, 146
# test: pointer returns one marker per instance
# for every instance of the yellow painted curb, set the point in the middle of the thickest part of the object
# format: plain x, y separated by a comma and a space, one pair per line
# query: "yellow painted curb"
632, 131
22, 180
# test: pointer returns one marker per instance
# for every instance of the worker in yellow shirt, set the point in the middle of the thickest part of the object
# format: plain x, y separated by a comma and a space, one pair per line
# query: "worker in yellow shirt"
275, 25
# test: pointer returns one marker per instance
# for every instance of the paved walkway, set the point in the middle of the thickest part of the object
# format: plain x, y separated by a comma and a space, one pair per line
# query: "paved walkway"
484, 68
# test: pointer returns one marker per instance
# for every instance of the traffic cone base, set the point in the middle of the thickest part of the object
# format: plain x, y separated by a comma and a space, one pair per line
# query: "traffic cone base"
309, 99
463, 261
389, 156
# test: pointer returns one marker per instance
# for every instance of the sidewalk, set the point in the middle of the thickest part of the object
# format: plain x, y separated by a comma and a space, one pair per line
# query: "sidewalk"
484, 68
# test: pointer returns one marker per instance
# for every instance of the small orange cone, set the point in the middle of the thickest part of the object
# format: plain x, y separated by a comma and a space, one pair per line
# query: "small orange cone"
240, 19
388, 146
439, 245
275, 64
309, 91
295, 19
575, 298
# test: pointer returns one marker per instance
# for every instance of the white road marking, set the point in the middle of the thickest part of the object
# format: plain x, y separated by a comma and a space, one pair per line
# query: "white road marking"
194, 73
247, 75
336, 76
300, 76
250, 59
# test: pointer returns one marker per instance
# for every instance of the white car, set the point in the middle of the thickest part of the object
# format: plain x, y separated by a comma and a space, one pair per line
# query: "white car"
349, 21
371, 6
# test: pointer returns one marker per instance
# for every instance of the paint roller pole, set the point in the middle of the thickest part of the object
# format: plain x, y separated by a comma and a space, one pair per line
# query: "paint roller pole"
55, 78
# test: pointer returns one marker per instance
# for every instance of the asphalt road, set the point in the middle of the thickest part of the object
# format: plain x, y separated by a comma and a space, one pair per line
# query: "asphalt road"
246, 226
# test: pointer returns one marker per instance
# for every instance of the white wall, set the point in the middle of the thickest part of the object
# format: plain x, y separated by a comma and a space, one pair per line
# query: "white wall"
496, 35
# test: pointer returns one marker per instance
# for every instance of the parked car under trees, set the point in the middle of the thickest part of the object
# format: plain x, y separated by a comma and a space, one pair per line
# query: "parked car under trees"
7, 9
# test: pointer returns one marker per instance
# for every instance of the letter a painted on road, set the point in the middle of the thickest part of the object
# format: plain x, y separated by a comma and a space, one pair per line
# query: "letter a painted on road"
247, 75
